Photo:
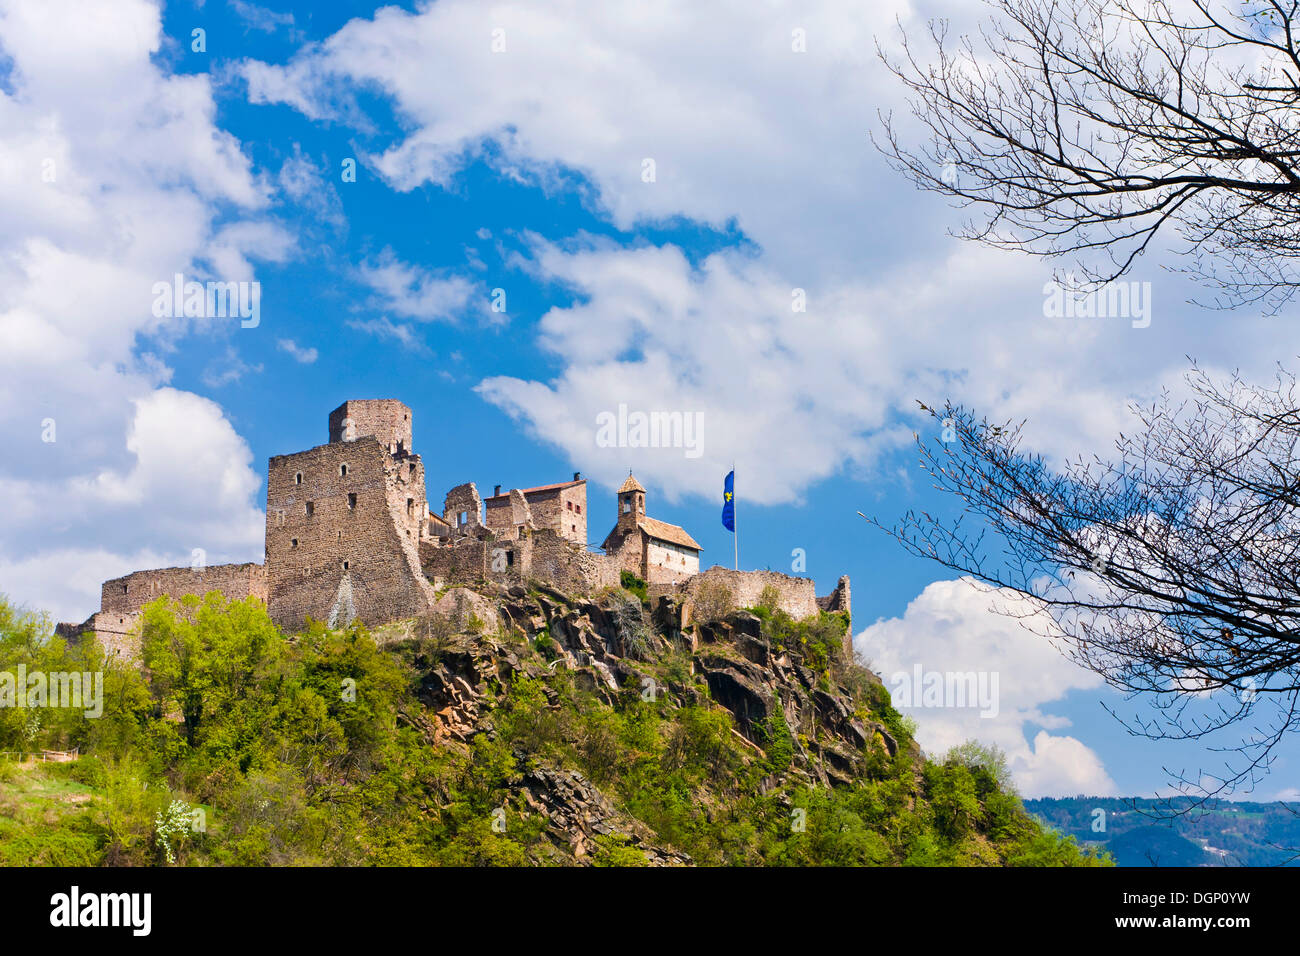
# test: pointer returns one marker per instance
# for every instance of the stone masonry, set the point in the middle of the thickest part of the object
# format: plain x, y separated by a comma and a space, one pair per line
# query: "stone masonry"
561, 508
344, 521
122, 599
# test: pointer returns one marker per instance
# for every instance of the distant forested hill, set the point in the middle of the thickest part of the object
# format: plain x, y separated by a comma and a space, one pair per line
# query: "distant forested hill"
1137, 832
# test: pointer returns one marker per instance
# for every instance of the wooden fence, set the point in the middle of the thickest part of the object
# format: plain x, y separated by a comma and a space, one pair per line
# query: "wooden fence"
55, 756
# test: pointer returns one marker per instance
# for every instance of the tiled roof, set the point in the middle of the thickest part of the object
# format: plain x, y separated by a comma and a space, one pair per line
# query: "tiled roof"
631, 485
667, 532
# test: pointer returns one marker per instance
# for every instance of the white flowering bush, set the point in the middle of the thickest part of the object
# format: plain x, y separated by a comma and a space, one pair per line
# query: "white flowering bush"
172, 827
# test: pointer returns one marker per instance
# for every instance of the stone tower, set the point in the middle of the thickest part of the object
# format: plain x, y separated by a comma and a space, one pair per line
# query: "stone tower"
386, 419
631, 502
343, 522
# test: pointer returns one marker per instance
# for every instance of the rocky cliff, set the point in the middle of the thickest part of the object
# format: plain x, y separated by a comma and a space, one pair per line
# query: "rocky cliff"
739, 736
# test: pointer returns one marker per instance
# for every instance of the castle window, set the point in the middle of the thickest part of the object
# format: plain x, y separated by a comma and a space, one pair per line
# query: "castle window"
345, 565
410, 507
343, 471
510, 558
464, 517
297, 479
412, 469
311, 508
352, 502
627, 507
293, 543
578, 508
569, 505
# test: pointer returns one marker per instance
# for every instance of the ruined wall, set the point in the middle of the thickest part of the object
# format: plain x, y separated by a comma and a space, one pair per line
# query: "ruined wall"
798, 597
838, 600
841, 600
541, 556
463, 508
127, 595
461, 563
562, 510
560, 563
626, 548
118, 633
341, 542
521, 515
387, 419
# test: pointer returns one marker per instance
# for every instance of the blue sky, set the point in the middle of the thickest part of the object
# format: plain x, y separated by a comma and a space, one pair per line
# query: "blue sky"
503, 147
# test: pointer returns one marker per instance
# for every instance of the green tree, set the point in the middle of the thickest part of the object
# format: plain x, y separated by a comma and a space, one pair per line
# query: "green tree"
203, 655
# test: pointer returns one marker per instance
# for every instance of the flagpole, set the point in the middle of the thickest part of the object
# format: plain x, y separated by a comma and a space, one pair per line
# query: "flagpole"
735, 525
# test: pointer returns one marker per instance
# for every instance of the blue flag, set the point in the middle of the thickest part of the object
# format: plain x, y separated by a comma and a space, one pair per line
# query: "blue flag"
728, 502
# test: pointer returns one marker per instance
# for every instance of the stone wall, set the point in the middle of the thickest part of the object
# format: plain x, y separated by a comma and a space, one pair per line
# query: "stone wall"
460, 563
117, 624
463, 508
797, 596
838, 600
626, 546
541, 556
127, 595
574, 570
562, 510
342, 542
119, 634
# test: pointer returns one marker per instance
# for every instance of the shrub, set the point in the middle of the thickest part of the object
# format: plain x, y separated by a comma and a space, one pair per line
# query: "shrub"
612, 850
769, 599
630, 582
712, 602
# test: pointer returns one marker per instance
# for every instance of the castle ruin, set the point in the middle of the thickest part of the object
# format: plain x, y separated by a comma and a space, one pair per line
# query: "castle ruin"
350, 537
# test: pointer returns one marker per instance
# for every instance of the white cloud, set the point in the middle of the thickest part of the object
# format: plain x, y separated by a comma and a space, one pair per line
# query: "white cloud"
385, 328
837, 383
954, 627
737, 123
113, 176
260, 18
228, 369
412, 292
303, 181
747, 134
306, 356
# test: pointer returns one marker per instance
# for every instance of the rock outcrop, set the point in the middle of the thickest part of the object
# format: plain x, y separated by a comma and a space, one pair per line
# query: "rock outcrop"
475, 643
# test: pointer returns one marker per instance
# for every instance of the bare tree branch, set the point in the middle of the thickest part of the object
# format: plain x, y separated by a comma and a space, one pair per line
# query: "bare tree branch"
1085, 128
